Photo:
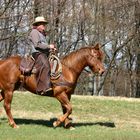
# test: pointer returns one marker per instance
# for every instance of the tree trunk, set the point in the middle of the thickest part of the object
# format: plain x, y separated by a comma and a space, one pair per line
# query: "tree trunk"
37, 8
137, 41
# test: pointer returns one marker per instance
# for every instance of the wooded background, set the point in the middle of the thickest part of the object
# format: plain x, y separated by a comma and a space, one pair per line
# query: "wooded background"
73, 24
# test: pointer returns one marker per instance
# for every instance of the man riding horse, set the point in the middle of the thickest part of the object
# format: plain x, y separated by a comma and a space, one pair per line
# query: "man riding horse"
11, 78
40, 53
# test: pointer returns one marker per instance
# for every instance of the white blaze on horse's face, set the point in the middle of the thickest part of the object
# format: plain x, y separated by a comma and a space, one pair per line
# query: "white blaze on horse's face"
95, 60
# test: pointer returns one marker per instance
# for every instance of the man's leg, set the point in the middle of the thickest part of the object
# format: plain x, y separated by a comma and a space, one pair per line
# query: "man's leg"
43, 75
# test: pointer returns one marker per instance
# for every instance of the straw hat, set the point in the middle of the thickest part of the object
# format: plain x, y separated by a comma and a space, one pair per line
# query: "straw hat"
39, 19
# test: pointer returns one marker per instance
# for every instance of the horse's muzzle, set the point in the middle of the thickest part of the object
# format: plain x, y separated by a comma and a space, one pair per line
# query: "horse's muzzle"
101, 72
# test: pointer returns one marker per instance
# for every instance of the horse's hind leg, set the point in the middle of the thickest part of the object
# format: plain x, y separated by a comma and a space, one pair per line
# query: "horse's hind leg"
65, 103
7, 106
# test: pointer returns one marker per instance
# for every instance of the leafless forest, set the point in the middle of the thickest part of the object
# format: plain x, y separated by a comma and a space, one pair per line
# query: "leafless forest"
115, 24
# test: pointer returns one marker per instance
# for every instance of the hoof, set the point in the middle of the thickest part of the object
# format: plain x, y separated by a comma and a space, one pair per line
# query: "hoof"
72, 128
14, 126
68, 125
55, 124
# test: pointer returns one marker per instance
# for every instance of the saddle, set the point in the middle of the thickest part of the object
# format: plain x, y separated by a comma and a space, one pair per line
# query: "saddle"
27, 66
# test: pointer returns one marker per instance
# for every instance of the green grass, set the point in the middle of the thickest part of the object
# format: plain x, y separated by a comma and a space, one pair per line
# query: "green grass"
94, 118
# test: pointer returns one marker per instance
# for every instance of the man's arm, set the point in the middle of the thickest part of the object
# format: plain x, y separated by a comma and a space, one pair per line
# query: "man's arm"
37, 42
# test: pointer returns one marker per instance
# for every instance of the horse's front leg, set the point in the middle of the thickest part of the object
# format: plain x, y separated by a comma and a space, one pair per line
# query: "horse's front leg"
7, 106
67, 122
65, 103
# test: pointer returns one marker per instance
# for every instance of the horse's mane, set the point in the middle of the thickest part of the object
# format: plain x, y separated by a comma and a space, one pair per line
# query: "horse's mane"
72, 57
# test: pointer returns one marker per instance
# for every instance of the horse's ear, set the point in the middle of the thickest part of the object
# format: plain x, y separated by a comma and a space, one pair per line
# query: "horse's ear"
95, 49
97, 46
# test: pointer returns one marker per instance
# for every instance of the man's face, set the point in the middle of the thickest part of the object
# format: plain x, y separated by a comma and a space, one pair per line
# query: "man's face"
41, 27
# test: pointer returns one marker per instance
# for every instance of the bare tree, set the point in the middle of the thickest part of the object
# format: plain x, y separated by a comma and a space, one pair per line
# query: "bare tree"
74, 24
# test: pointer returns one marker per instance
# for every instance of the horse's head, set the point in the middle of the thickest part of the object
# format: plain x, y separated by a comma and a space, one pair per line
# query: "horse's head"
95, 60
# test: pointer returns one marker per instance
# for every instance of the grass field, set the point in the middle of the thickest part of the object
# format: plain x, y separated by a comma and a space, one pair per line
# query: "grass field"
94, 118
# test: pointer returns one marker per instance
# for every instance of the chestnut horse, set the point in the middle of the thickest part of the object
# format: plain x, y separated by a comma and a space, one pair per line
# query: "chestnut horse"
63, 87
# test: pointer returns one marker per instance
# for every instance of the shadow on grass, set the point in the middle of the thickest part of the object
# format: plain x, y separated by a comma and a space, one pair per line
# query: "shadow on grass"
49, 123
106, 124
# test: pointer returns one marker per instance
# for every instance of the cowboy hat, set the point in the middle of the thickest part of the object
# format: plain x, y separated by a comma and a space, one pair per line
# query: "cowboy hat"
39, 19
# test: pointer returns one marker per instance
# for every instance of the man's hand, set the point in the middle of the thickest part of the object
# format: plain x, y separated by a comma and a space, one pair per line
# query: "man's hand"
52, 46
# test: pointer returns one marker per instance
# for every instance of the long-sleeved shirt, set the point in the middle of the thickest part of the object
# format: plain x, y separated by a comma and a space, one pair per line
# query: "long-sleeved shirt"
39, 41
